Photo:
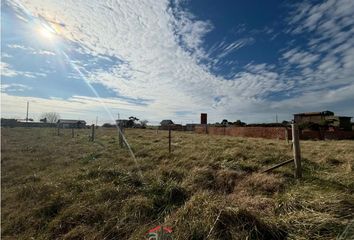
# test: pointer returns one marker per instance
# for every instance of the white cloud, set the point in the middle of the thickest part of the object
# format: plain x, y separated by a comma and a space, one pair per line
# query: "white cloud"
31, 50
5, 55
8, 71
14, 87
162, 49
302, 58
74, 107
328, 99
227, 49
327, 61
147, 38
17, 46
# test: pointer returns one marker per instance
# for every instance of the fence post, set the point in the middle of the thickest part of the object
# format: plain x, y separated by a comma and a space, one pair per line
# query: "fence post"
296, 150
72, 132
120, 135
58, 129
93, 132
169, 139
286, 135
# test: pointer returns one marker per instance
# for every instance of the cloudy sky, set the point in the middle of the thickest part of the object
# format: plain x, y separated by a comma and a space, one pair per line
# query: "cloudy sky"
159, 59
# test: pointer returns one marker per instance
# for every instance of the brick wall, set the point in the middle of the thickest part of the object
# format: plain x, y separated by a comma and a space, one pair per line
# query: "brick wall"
257, 132
335, 135
272, 132
339, 135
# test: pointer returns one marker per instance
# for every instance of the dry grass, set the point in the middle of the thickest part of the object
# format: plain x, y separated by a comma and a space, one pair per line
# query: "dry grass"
208, 188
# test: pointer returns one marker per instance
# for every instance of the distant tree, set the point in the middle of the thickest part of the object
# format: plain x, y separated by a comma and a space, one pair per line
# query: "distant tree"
285, 122
224, 122
51, 117
239, 123
132, 121
143, 123
130, 124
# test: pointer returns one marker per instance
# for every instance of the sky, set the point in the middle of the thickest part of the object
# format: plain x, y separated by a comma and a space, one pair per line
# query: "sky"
157, 59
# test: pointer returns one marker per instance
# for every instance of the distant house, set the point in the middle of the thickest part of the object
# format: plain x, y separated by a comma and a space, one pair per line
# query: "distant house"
123, 123
164, 123
340, 122
6, 122
313, 117
68, 123
168, 124
325, 117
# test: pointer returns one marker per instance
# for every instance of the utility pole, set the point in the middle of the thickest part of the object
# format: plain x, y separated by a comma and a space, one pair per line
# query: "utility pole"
27, 111
276, 118
96, 120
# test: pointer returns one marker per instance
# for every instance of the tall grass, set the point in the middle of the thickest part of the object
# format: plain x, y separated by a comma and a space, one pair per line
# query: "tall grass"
209, 187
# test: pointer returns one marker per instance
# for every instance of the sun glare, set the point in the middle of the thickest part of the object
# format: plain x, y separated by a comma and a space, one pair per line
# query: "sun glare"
45, 32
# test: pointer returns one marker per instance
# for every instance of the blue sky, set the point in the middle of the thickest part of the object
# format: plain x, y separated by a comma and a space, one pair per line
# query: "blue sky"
248, 60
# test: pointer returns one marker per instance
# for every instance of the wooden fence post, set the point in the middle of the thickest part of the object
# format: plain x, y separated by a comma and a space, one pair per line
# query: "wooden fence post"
123, 131
286, 135
93, 132
72, 132
120, 135
169, 140
58, 129
296, 150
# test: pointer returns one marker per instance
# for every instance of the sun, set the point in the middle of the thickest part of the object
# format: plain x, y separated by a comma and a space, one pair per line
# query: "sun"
46, 32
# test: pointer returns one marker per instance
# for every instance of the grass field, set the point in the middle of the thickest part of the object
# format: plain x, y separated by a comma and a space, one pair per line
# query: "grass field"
209, 187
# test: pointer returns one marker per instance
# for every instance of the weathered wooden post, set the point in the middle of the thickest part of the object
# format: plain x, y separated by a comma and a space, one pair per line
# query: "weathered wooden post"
123, 132
286, 135
120, 135
296, 150
93, 132
72, 132
169, 139
58, 129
